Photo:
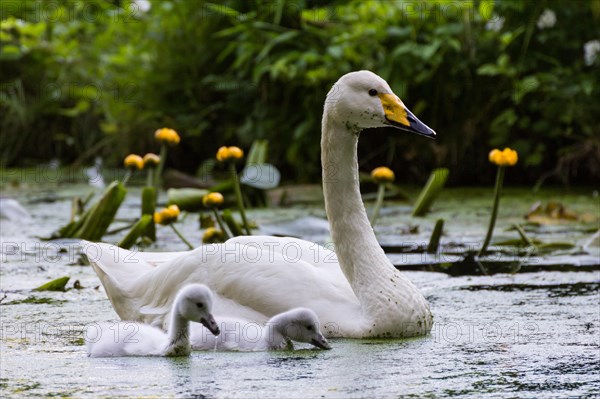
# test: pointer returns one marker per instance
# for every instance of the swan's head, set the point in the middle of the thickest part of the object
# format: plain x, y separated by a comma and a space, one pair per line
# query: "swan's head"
361, 100
302, 325
194, 302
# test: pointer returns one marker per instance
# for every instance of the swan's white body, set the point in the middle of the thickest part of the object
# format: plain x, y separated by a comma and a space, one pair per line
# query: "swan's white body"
356, 294
299, 324
131, 338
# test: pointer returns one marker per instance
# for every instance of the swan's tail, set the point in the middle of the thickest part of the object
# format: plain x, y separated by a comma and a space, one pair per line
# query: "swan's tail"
118, 269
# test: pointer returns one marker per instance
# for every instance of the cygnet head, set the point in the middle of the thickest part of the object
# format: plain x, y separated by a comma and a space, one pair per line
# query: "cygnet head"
362, 100
301, 325
194, 302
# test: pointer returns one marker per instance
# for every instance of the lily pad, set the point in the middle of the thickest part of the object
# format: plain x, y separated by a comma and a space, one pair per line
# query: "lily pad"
263, 176
35, 301
304, 227
54, 285
552, 213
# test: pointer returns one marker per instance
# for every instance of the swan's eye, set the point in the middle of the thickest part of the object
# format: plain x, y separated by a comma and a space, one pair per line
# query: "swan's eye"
372, 92
309, 328
200, 305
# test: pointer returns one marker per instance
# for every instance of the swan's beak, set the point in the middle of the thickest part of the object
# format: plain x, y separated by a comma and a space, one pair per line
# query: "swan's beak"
320, 342
210, 323
398, 116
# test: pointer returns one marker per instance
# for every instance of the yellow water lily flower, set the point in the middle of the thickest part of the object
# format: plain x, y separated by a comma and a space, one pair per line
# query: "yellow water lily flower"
227, 154
133, 161
173, 211
383, 174
167, 136
506, 157
212, 236
167, 215
213, 200
151, 160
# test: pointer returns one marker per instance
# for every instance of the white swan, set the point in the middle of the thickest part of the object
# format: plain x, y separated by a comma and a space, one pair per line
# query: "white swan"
357, 294
192, 303
298, 324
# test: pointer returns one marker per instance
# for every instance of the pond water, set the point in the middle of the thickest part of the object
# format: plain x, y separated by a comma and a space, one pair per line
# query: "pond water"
507, 335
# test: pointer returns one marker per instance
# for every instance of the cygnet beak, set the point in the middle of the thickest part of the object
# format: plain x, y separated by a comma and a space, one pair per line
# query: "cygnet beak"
320, 342
210, 323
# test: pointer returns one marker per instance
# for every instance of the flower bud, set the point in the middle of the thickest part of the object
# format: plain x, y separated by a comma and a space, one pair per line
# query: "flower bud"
151, 160
134, 162
228, 154
213, 200
383, 174
212, 235
167, 136
506, 157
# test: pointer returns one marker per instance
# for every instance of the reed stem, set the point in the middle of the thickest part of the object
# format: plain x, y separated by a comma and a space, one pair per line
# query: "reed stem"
190, 246
238, 196
497, 193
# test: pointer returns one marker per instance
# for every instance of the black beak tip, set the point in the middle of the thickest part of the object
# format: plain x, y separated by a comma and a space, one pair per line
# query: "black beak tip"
417, 128
323, 344
211, 325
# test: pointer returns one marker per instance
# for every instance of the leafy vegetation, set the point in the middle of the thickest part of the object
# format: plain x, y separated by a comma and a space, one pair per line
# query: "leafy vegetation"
54, 285
86, 78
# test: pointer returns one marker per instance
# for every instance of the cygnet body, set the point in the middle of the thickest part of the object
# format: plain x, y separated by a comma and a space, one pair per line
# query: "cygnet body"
130, 338
298, 324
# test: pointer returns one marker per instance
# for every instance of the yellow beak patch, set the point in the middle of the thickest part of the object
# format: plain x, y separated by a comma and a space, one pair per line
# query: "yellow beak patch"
394, 109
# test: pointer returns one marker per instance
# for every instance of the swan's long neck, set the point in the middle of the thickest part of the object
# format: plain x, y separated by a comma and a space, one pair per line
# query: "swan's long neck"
179, 335
377, 284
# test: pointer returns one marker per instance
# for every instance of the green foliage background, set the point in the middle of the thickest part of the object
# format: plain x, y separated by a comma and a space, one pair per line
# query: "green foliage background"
80, 79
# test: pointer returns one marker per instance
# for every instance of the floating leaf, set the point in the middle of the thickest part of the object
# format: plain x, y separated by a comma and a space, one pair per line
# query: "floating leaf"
54, 285
305, 226
516, 242
552, 213
556, 246
35, 301
262, 176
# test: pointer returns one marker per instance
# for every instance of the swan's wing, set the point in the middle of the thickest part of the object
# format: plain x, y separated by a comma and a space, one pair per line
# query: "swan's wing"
108, 255
293, 249
118, 269
253, 278
157, 258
